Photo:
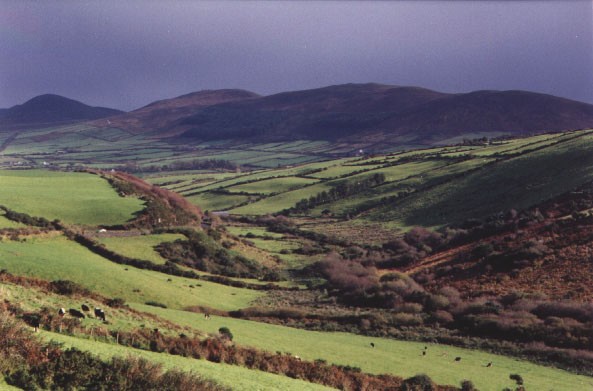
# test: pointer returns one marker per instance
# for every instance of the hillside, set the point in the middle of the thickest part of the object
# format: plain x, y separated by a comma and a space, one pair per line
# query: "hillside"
380, 113
158, 117
228, 329
50, 110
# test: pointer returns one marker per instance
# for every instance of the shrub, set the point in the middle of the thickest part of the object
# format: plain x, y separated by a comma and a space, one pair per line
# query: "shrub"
116, 302
226, 333
418, 383
517, 378
67, 287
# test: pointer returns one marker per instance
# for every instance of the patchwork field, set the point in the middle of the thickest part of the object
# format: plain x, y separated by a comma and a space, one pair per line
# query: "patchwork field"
324, 192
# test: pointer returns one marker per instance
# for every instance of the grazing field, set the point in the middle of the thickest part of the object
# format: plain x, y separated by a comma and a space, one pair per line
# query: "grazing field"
90, 199
140, 247
216, 202
402, 358
235, 377
274, 185
58, 258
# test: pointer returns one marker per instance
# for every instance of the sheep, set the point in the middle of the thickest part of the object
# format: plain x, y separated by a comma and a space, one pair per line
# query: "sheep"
62, 311
76, 313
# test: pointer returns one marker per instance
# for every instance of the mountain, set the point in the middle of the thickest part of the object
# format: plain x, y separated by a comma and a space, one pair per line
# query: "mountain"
163, 114
385, 113
49, 110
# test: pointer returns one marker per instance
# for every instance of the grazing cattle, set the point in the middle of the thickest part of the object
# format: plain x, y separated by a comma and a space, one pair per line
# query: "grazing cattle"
76, 313
62, 311
424, 353
457, 358
372, 344
85, 308
206, 315
489, 364
100, 314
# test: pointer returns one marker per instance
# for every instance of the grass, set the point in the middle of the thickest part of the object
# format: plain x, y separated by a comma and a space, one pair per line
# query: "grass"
140, 247
76, 198
402, 358
58, 258
235, 377
274, 185
515, 183
215, 202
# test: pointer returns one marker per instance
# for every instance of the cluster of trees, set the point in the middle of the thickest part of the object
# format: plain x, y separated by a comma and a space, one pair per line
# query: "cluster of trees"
202, 252
341, 190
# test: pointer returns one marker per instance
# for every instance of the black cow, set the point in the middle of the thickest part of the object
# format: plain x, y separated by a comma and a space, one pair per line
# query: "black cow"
372, 344
100, 314
76, 313
85, 308
457, 358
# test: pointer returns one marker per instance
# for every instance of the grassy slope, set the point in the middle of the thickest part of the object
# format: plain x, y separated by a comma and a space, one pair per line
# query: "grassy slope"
515, 183
82, 198
140, 247
236, 377
401, 358
58, 258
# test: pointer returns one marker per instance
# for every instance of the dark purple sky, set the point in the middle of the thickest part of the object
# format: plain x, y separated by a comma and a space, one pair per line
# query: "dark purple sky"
125, 54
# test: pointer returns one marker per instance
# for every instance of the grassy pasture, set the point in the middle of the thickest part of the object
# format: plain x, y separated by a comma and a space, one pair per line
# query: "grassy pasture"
273, 185
281, 201
214, 201
236, 377
78, 198
140, 247
402, 358
58, 258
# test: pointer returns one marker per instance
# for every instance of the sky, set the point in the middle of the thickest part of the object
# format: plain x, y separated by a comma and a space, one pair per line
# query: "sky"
126, 54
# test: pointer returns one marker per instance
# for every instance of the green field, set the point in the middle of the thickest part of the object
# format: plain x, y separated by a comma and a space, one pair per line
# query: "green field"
76, 198
274, 185
236, 377
58, 258
401, 358
139, 247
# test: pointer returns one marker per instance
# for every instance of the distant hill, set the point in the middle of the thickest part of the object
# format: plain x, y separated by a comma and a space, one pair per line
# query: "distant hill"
50, 110
162, 115
385, 113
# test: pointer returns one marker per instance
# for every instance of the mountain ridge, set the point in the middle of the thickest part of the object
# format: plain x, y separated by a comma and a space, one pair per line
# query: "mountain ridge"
49, 110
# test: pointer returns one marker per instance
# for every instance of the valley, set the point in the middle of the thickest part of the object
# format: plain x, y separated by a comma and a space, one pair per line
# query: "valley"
299, 264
